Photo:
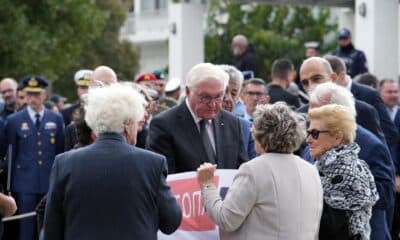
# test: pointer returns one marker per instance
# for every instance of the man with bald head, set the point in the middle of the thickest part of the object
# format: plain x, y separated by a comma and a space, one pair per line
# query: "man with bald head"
8, 89
105, 75
317, 70
245, 56
365, 94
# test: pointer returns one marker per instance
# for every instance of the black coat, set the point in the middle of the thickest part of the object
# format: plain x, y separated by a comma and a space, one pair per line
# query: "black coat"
371, 96
68, 112
277, 93
109, 190
174, 134
248, 61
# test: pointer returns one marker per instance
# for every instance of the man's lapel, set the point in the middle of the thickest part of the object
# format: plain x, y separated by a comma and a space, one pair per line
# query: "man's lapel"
192, 133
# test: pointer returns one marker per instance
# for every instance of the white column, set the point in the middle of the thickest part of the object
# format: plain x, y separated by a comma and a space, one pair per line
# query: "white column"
186, 37
377, 34
346, 19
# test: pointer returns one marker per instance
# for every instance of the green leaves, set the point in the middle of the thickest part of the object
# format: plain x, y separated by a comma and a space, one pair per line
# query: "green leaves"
276, 31
55, 38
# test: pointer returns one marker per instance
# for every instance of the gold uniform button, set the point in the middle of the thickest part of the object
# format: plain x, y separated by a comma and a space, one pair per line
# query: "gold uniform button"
18, 166
40, 162
39, 143
40, 152
38, 133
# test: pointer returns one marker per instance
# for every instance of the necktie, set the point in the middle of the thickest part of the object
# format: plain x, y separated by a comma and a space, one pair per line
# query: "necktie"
37, 115
207, 142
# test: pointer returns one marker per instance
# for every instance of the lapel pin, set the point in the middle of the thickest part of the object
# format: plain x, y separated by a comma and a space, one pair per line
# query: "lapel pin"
222, 124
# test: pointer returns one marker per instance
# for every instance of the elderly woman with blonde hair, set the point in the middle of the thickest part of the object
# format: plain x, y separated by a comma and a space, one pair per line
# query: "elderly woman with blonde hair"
349, 186
277, 195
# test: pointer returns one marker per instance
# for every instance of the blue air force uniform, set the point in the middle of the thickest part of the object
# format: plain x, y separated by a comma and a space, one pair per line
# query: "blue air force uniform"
36, 138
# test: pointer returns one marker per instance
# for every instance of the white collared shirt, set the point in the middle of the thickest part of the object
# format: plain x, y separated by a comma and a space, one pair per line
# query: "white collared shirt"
32, 114
197, 120
392, 111
349, 82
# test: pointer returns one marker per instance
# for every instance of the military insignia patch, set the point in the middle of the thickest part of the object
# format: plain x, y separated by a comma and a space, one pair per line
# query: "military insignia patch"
24, 126
50, 126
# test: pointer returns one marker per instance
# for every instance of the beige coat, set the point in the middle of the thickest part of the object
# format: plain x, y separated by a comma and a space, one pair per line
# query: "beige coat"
272, 197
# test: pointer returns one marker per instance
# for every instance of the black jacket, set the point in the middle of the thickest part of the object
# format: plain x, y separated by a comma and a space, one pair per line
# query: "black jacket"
248, 61
277, 93
174, 134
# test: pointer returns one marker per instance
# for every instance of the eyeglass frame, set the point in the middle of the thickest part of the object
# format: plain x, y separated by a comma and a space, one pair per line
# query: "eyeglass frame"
314, 133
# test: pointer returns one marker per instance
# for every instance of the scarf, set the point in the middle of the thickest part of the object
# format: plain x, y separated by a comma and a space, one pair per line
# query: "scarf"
349, 185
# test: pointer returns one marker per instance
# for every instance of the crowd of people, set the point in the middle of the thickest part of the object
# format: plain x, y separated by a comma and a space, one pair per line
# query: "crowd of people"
317, 150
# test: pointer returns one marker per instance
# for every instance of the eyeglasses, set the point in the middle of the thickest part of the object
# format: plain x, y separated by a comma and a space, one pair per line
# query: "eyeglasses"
209, 99
315, 133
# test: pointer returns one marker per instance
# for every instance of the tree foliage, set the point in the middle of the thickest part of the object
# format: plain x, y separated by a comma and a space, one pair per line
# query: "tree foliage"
276, 31
56, 38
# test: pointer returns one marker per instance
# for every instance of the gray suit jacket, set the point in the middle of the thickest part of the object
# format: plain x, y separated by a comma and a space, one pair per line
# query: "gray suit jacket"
272, 197
109, 190
174, 134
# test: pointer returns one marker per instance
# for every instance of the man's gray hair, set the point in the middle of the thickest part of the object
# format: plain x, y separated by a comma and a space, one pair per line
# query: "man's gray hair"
110, 107
241, 39
12, 81
330, 93
277, 128
204, 71
234, 74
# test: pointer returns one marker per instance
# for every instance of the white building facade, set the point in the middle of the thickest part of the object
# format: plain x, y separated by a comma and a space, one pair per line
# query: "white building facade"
172, 34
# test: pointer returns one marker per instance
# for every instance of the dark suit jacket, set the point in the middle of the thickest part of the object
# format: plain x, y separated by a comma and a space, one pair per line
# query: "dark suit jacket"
174, 134
371, 96
395, 151
277, 93
367, 117
109, 190
67, 113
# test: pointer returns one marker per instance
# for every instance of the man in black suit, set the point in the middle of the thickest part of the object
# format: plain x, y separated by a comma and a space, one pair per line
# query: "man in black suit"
365, 94
110, 189
281, 73
316, 70
197, 130
389, 92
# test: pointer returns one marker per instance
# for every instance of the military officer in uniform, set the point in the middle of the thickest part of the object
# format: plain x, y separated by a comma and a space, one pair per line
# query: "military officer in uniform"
162, 102
36, 136
82, 80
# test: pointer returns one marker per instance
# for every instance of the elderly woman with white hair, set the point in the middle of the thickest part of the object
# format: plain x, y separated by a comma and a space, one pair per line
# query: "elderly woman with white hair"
372, 150
276, 193
349, 186
110, 189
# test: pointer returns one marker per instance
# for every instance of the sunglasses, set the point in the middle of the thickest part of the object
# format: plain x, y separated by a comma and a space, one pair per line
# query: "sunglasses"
315, 133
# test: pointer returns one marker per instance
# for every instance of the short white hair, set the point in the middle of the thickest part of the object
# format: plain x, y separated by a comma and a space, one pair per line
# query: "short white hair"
241, 39
234, 74
330, 93
203, 71
109, 107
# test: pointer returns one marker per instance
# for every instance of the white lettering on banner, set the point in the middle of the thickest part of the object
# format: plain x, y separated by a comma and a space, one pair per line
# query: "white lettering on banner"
196, 225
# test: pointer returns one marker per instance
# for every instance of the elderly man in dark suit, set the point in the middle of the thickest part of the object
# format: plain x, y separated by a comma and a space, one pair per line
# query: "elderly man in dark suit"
389, 92
197, 130
110, 189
